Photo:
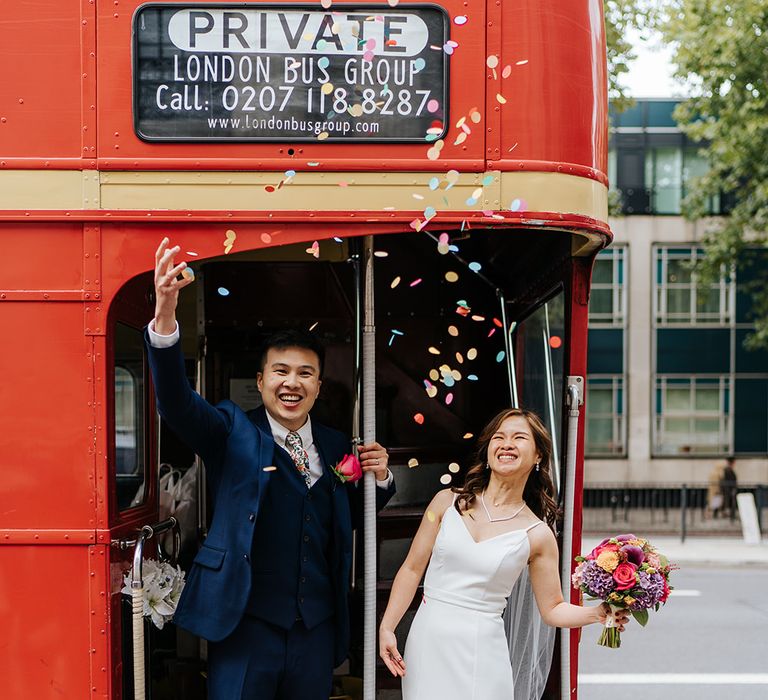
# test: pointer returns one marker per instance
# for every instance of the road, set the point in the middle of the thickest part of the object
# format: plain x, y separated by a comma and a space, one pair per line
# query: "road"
709, 642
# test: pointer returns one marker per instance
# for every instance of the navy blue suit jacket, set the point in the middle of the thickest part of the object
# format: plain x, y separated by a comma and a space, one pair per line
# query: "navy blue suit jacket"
235, 449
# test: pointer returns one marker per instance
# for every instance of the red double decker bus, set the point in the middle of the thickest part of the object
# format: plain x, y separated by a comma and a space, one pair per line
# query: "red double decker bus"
451, 156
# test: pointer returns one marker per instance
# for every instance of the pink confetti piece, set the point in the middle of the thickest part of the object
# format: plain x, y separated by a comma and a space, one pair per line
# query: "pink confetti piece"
266, 238
432, 107
415, 282
448, 399
506, 72
314, 249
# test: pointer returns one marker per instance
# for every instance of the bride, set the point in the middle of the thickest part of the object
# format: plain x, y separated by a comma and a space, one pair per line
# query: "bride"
477, 540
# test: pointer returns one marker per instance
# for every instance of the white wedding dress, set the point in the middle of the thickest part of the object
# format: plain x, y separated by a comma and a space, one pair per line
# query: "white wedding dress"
456, 648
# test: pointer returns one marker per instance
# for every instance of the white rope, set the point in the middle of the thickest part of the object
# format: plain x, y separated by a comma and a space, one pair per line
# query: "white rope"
369, 484
137, 609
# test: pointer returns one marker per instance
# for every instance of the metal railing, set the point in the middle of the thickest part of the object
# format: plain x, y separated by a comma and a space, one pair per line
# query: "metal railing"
669, 509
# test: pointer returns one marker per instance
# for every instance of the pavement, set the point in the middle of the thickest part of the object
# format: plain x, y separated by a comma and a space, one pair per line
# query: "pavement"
719, 551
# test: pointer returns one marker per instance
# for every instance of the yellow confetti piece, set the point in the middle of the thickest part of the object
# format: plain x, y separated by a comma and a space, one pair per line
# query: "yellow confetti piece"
475, 117
356, 110
478, 317
434, 375
454, 468
433, 153
230, 236
459, 358
461, 138
432, 349
413, 462
451, 276
227, 248
521, 63
445, 369
431, 391
326, 88
322, 136
471, 353
501, 99
270, 469
443, 248
394, 282
456, 375
445, 479
452, 330
460, 123
468, 436
430, 516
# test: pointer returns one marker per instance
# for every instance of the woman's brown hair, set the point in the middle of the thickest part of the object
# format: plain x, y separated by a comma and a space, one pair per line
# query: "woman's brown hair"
539, 491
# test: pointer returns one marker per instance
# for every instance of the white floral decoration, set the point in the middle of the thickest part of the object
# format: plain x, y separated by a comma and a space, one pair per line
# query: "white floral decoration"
163, 585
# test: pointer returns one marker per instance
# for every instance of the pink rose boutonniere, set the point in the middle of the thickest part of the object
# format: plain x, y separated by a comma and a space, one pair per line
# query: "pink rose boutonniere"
348, 469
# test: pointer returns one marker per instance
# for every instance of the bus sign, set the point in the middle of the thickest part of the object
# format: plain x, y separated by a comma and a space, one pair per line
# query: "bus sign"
253, 72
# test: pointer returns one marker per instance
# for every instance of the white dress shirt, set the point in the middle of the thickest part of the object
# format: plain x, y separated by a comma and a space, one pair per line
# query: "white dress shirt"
279, 431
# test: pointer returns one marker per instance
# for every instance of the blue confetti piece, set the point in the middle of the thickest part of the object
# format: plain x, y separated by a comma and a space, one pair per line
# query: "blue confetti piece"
321, 45
487, 180
290, 173
429, 212
323, 62
434, 183
471, 202
223, 291
475, 266
338, 240
462, 302
448, 380
472, 377
397, 332
431, 137
500, 356
419, 64
453, 248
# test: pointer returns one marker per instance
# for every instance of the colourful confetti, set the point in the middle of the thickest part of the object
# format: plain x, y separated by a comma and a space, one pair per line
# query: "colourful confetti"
433, 106
448, 399
492, 61
433, 350
506, 72
270, 469
454, 468
413, 462
460, 20
314, 249
522, 63
415, 282
229, 241
500, 356
419, 418
472, 377
394, 282
451, 276
475, 266
501, 99
445, 479
468, 436
223, 291
452, 330
472, 353
188, 273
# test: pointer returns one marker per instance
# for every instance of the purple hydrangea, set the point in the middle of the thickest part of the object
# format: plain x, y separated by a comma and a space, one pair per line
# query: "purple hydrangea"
651, 590
598, 582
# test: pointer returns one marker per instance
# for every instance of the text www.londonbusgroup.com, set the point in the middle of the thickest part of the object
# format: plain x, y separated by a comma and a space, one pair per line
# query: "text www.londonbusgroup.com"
294, 125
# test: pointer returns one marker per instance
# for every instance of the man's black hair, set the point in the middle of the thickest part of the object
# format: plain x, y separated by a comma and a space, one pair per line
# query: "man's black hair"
292, 338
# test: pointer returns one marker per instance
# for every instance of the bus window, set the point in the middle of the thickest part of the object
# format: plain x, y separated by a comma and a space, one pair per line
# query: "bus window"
130, 417
540, 344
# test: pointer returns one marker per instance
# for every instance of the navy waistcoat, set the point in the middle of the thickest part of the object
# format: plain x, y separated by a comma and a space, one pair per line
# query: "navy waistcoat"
290, 560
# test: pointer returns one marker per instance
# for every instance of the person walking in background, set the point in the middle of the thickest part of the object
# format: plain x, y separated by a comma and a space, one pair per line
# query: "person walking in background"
268, 588
729, 488
714, 493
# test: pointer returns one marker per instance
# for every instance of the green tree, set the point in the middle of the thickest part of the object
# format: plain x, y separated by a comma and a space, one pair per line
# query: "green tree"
623, 17
721, 50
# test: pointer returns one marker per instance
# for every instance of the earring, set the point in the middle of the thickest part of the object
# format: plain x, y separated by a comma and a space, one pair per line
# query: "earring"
537, 466
487, 466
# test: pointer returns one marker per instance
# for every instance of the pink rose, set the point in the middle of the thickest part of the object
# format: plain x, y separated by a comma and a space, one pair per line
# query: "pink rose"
624, 575
602, 547
348, 469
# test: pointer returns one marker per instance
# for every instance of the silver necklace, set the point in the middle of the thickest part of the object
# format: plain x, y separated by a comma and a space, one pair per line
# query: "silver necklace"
497, 520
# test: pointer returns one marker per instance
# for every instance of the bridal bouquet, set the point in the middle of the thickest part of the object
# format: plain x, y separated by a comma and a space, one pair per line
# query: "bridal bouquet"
625, 572
163, 585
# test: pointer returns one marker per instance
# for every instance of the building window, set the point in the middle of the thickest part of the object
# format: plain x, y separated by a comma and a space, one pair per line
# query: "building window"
679, 300
607, 301
695, 166
692, 415
605, 416
664, 178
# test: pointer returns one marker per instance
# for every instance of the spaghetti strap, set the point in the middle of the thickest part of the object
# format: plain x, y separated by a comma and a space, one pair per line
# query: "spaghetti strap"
530, 527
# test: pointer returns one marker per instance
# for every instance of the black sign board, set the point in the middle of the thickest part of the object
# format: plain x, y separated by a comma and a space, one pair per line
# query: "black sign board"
262, 72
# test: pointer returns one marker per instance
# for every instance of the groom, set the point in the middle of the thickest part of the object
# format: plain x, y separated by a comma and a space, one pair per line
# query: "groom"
268, 587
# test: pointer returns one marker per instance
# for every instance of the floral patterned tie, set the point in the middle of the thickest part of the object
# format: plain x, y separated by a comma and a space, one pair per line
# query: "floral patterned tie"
299, 455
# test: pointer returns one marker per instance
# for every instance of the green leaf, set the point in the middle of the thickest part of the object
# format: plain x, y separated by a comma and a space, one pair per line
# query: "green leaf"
641, 616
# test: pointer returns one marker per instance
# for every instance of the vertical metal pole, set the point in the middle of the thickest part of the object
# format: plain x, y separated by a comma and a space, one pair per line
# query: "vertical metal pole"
369, 485
683, 508
575, 398
358, 347
553, 426
511, 378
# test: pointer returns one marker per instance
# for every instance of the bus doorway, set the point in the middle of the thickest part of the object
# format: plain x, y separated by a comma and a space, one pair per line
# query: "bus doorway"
464, 328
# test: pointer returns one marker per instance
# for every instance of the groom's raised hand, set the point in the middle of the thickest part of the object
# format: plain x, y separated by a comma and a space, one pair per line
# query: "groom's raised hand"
167, 286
